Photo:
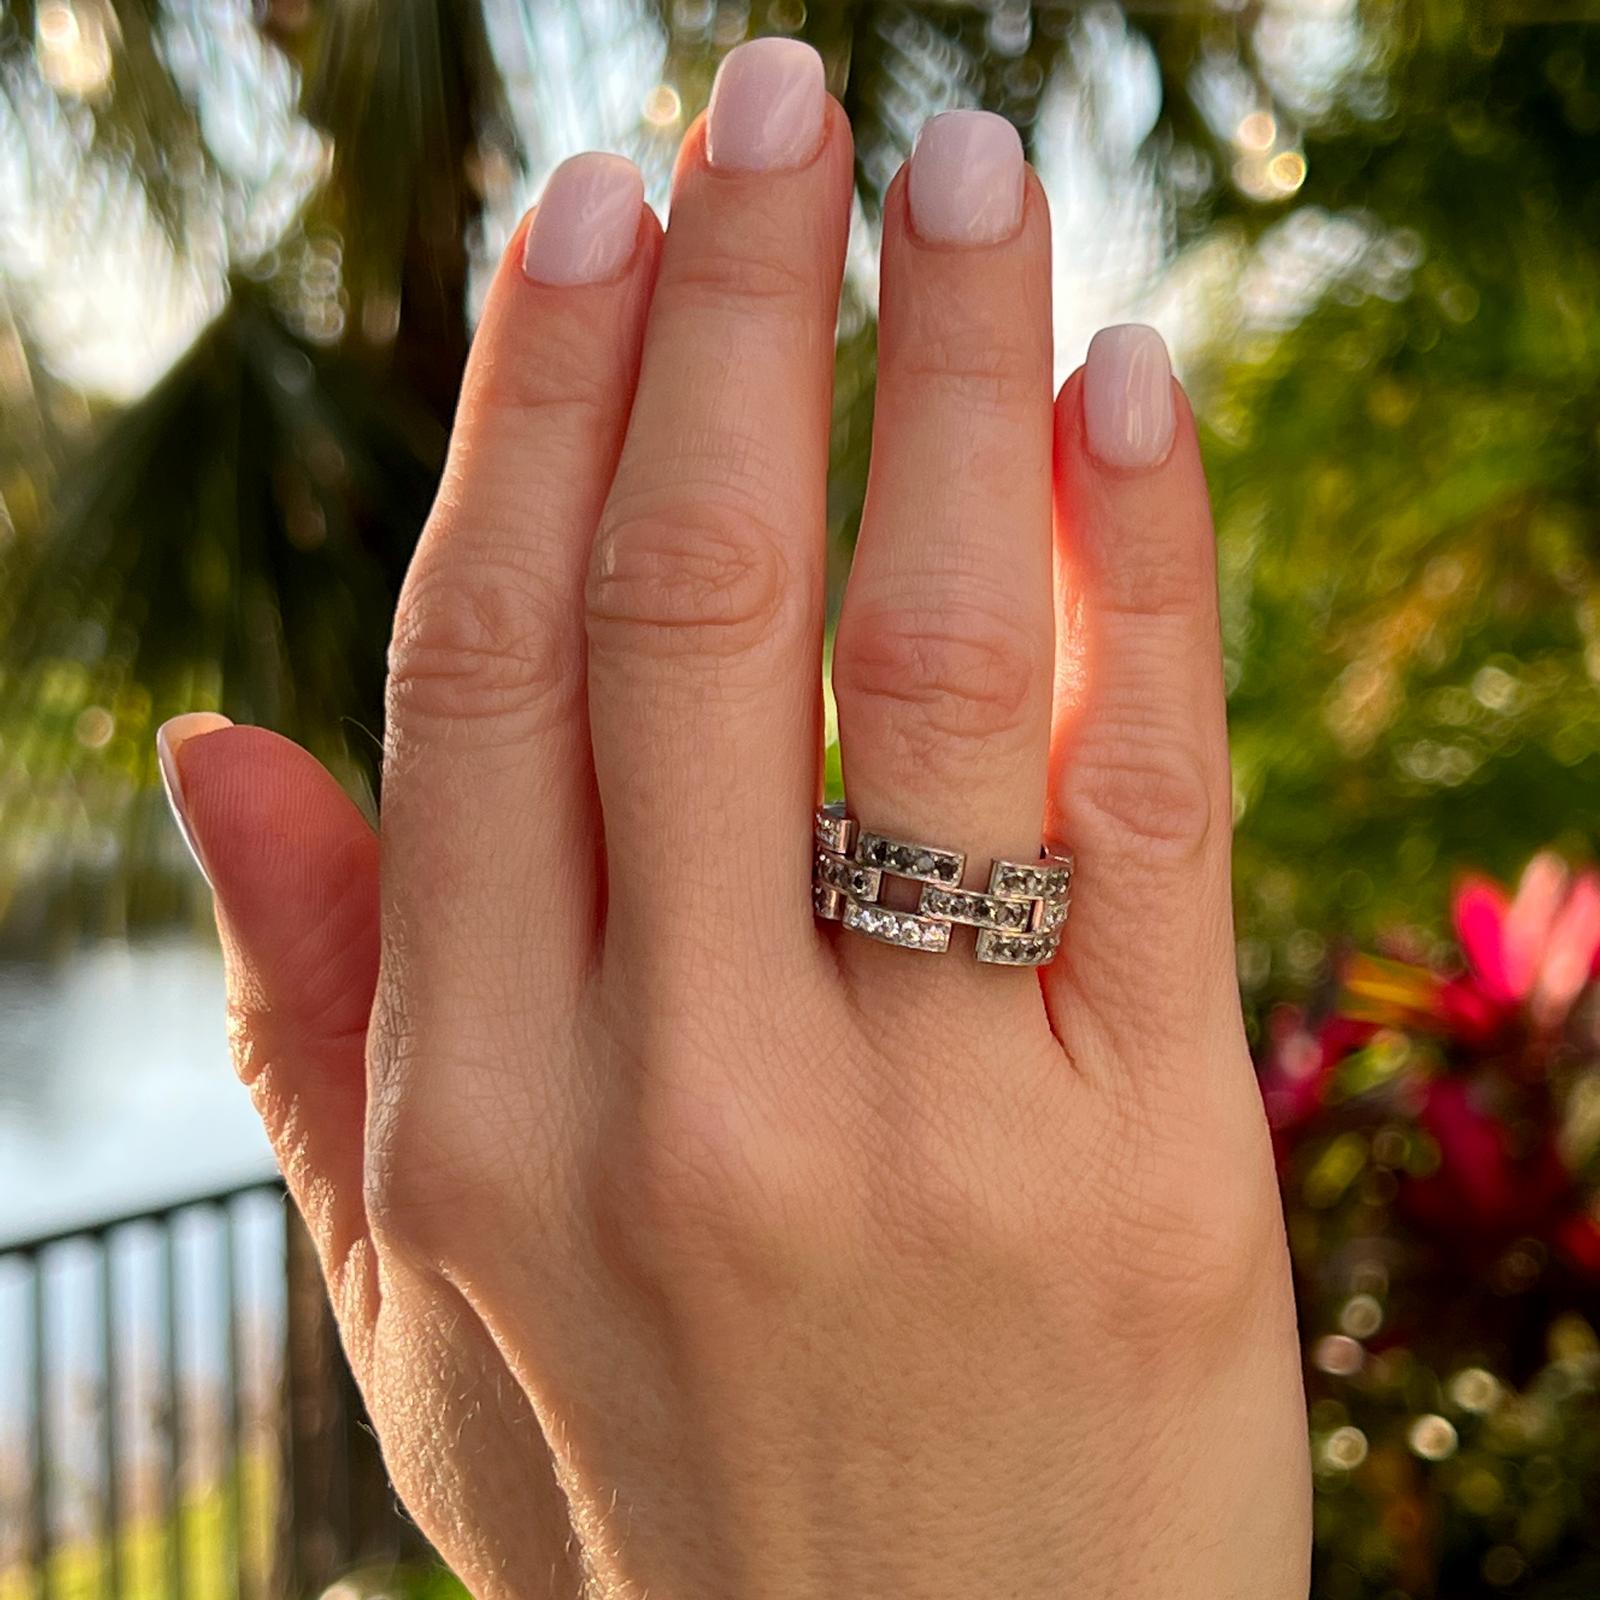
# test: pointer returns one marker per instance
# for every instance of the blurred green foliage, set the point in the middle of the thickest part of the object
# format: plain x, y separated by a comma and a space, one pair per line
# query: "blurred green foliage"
1407, 487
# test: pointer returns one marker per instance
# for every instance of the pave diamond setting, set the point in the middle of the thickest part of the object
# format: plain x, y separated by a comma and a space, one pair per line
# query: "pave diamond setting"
1049, 879
920, 862
904, 929
976, 910
1017, 949
1019, 919
849, 877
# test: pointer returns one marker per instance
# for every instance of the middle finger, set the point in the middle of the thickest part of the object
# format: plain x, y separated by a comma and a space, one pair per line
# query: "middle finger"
705, 591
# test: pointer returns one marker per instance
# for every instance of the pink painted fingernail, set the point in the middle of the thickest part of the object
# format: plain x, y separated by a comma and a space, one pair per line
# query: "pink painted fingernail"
1127, 398
965, 185
767, 107
587, 222
170, 738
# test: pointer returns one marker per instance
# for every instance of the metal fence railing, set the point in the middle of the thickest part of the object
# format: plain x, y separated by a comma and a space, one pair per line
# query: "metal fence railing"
176, 1418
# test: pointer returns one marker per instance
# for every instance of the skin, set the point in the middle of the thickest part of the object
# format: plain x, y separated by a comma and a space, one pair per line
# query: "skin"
684, 1246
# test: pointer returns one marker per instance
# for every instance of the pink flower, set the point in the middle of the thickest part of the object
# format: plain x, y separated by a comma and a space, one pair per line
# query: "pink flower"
1483, 1189
1538, 949
1301, 1062
1578, 1239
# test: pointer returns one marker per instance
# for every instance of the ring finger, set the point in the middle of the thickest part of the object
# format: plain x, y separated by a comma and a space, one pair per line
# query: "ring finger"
942, 665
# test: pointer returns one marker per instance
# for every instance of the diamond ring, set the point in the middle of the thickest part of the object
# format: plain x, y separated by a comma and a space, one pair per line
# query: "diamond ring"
1019, 917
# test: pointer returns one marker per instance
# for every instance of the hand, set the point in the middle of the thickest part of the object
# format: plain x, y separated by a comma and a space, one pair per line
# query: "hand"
683, 1245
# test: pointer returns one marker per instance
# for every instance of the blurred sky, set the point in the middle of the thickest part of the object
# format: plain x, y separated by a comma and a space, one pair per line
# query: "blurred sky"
111, 300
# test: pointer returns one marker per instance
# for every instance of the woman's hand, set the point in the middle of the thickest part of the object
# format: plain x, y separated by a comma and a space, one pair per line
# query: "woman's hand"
685, 1246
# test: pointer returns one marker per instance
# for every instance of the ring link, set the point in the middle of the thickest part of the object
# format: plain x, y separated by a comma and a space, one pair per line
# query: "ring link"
1019, 918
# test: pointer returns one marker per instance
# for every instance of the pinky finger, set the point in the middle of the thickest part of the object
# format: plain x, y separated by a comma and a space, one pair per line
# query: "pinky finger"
1140, 786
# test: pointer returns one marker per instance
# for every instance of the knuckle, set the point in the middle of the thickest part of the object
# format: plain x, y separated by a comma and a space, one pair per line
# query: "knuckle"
566, 388
326, 1021
458, 1154
976, 366
405, 1208
952, 675
478, 638
697, 579
1143, 794
680, 1211
255, 1042
726, 275
1191, 1253
424, 1200
1162, 571
931, 1207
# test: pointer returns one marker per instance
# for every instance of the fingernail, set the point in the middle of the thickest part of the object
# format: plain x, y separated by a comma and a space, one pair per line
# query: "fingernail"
965, 185
767, 107
171, 736
587, 222
1127, 398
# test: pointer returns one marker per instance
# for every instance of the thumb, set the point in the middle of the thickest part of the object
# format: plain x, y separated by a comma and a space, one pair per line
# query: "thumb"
293, 867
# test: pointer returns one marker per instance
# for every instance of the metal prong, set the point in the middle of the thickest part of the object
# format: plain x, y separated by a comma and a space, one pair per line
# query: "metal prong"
833, 829
827, 903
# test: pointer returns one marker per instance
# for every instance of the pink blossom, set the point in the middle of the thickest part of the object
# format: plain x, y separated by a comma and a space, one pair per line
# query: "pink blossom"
1537, 949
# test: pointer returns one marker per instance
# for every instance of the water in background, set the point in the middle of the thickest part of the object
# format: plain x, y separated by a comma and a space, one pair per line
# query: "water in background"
116, 1095
115, 1087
